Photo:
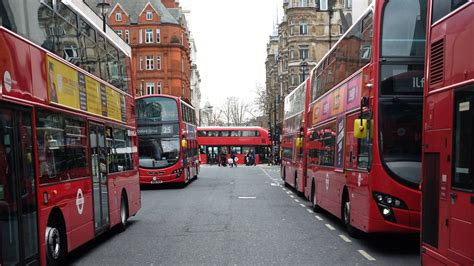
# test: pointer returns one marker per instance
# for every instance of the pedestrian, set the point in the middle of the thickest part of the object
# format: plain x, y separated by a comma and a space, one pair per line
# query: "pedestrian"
252, 158
232, 156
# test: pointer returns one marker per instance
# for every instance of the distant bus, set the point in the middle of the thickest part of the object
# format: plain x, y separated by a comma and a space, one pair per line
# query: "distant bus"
292, 152
68, 145
447, 231
222, 140
364, 121
168, 148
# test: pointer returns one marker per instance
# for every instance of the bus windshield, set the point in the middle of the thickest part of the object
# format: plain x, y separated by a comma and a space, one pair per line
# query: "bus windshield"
400, 138
156, 152
156, 109
403, 29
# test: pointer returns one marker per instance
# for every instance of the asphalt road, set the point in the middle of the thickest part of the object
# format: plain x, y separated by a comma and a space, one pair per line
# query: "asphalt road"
243, 216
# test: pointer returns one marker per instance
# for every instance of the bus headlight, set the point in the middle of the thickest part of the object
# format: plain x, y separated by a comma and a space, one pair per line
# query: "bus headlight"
389, 200
178, 172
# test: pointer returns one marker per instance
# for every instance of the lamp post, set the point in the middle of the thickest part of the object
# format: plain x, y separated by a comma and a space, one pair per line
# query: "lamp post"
103, 6
208, 110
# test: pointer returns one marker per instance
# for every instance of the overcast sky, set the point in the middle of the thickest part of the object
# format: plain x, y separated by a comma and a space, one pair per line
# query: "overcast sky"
231, 38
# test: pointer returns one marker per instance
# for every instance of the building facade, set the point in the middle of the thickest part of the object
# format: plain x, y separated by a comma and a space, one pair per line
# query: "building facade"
308, 30
195, 79
158, 33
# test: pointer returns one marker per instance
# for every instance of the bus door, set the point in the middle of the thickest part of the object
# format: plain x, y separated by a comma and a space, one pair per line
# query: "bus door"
461, 196
212, 153
99, 177
18, 215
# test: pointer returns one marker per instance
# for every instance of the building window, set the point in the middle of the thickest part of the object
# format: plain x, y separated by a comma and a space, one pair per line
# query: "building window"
303, 3
119, 33
118, 16
127, 36
304, 53
158, 63
148, 35
323, 4
303, 27
149, 62
150, 88
141, 63
149, 15
158, 38
348, 4
158, 87
140, 92
140, 37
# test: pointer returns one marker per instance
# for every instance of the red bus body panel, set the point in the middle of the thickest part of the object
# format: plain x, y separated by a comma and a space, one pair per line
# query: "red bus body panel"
330, 183
189, 165
228, 141
447, 235
26, 64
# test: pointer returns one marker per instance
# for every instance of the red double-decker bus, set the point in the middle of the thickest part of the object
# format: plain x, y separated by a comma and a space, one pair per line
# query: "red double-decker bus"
447, 233
220, 141
168, 147
68, 146
364, 119
292, 152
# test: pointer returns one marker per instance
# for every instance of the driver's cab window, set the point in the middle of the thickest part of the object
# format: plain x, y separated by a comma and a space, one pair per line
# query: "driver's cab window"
463, 177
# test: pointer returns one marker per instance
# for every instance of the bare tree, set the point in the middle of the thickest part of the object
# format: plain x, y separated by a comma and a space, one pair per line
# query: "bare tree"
234, 111
262, 106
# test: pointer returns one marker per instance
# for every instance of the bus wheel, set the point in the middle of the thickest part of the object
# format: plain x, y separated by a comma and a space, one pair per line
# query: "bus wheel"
55, 244
346, 218
316, 208
296, 184
122, 226
284, 177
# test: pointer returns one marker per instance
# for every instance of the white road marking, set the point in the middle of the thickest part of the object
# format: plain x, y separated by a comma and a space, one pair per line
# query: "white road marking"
310, 211
302, 205
330, 227
292, 196
288, 192
266, 173
366, 255
319, 218
274, 184
284, 189
247, 197
345, 238
297, 200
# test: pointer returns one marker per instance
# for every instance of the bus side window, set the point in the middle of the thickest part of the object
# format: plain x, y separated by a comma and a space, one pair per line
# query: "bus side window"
363, 153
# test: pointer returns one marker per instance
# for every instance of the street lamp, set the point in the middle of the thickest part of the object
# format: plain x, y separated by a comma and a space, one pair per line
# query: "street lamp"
208, 110
103, 6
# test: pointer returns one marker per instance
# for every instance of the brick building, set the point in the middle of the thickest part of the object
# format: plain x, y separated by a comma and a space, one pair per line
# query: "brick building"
158, 34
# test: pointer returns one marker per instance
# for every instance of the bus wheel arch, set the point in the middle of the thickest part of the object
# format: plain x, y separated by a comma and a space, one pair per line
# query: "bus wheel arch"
124, 211
346, 215
296, 181
56, 238
313, 200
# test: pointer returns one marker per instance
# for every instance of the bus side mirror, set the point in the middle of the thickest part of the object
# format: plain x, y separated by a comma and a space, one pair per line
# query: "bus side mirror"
299, 142
184, 143
360, 128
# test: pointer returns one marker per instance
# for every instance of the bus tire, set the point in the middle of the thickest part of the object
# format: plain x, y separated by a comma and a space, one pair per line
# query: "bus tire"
316, 207
124, 213
284, 177
346, 218
56, 241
